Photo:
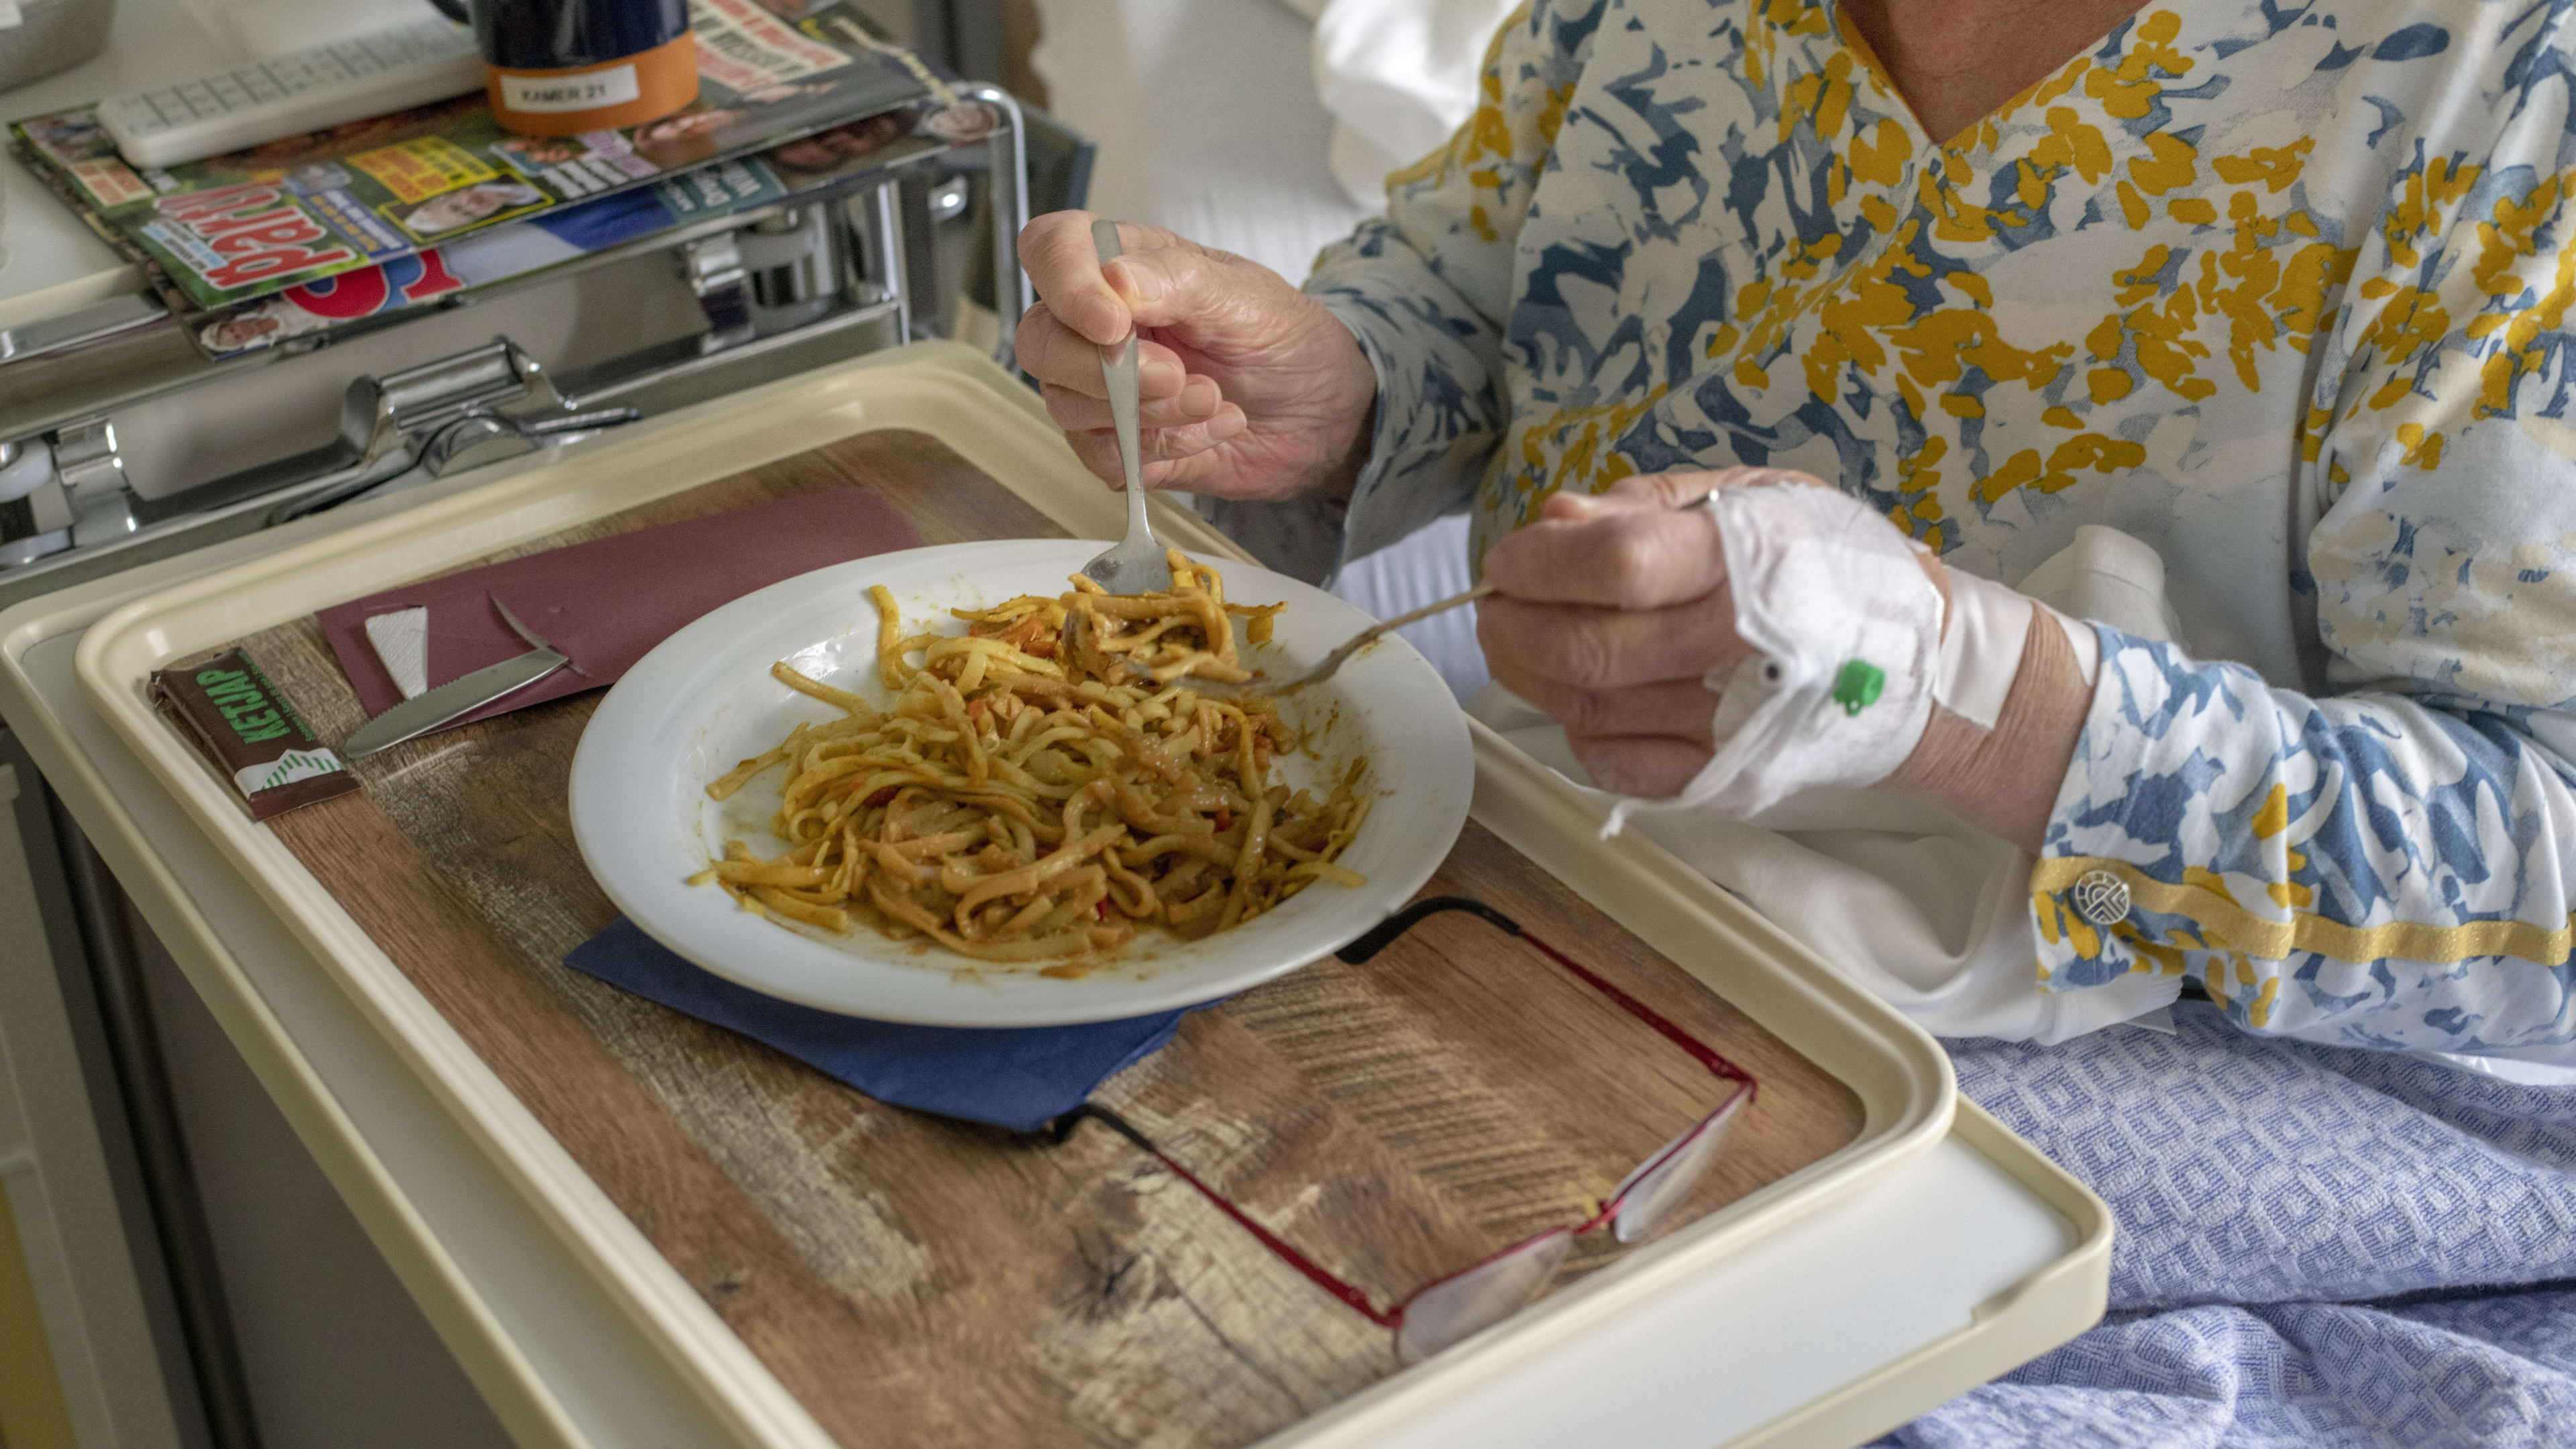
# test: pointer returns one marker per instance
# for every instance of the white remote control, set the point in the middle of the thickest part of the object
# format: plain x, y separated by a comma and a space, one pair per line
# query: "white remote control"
329, 85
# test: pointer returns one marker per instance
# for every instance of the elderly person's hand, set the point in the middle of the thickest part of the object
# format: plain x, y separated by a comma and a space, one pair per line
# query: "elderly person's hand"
1250, 388
1609, 613
1612, 613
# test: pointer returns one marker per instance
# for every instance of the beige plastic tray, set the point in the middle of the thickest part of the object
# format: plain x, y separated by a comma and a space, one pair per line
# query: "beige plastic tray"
1899, 1074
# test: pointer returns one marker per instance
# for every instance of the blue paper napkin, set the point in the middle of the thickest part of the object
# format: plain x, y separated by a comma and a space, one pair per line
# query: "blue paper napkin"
1015, 1077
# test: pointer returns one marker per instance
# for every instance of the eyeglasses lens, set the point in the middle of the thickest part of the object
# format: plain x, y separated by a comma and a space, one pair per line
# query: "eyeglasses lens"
1466, 1303
1666, 1179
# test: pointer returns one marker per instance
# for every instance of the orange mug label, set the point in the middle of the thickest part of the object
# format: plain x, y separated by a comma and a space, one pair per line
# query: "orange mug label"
614, 86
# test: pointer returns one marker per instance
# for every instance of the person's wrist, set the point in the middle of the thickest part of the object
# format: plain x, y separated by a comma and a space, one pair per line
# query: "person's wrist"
1943, 764
2005, 780
1343, 479
1349, 423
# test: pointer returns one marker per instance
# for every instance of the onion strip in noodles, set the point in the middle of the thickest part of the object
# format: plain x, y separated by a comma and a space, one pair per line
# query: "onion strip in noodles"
1047, 785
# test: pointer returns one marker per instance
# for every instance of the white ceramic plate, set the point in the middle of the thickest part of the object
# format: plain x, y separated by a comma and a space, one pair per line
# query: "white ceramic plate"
704, 700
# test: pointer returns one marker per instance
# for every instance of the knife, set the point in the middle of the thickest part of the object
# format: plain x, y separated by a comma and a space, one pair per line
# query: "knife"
429, 709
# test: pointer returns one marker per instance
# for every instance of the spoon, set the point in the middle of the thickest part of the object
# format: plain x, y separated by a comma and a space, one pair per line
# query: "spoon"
1137, 564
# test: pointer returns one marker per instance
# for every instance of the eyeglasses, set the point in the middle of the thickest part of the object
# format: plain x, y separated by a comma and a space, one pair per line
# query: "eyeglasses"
1462, 1304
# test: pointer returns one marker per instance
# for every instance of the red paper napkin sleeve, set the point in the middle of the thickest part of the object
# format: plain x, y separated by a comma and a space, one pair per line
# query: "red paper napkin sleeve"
606, 603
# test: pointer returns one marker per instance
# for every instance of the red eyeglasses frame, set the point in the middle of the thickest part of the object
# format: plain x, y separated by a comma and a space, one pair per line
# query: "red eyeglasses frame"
1607, 1212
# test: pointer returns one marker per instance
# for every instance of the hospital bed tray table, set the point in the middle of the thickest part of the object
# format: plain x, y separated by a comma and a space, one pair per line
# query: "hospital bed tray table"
817, 1268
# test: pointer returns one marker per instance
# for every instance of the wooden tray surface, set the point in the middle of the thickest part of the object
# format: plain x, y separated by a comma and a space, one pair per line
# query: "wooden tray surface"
916, 1281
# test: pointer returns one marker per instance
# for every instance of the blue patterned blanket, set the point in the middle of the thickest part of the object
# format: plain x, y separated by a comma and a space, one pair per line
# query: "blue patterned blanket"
2316, 1247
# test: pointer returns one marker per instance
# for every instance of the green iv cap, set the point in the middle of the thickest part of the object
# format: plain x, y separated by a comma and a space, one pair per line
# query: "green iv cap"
1859, 685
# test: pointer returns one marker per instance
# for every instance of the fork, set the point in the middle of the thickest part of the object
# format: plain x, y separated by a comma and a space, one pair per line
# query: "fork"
1136, 565
1262, 689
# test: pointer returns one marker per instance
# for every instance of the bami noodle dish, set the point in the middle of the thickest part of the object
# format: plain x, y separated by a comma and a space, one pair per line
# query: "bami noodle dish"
1047, 785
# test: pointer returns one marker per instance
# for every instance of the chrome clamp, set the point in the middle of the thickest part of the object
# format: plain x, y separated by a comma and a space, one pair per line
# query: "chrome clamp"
426, 419
714, 270
82, 457
93, 479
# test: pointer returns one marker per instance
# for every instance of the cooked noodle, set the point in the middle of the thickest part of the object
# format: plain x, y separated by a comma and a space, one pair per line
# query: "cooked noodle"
1041, 792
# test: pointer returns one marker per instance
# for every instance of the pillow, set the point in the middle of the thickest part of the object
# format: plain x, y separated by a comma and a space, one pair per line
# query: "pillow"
1398, 77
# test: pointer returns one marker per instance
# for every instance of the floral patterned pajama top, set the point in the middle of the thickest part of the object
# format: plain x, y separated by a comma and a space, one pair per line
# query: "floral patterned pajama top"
2279, 288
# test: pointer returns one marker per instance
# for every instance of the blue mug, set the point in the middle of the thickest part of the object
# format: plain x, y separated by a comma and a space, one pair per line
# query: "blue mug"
559, 67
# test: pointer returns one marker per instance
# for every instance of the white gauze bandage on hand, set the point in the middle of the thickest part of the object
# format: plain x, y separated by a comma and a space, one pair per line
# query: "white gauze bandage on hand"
1846, 632
1981, 644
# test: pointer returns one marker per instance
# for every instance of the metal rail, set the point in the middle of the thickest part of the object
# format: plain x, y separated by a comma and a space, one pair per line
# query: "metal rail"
1008, 153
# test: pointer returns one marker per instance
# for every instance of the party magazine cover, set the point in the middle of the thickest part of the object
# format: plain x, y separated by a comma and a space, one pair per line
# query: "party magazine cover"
369, 296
